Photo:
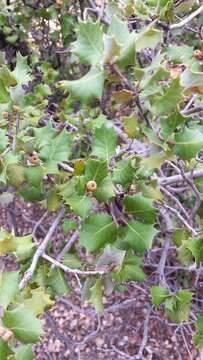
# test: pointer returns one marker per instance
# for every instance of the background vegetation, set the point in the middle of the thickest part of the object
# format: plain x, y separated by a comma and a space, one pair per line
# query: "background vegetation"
101, 125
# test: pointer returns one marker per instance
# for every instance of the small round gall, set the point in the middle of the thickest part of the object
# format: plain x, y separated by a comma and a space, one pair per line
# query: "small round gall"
91, 186
7, 336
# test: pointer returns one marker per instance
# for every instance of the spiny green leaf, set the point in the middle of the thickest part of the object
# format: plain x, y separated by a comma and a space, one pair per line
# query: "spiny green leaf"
24, 352
123, 173
104, 143
58, 282
165, 104
89, 87
96, 170
188, 143
19, 321
72, 261
139, 236
148, 38
96, 296
158, 294
111, 48
96, 231
8, 287
111, 256
56, 151
89, 44
5, 351
38, 302
192, 81
3, 140
140, 207
80, 205
105, 190
22, 70
132, 269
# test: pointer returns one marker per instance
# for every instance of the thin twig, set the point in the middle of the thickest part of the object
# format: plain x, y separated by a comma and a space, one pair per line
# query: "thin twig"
73, 271
185, 342
40, 250
197, 194
187, 19
145, 336
178, 203
68, 246
161, 266
178, 178
38, 224
179, 216
66, 168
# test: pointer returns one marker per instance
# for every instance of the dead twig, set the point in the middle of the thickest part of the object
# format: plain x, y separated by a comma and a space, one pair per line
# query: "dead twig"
40, 250
161, 266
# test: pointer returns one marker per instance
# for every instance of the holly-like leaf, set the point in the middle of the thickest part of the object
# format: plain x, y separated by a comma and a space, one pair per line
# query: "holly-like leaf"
123, 173
188, 143
19, 321
56, 151
89, 87
96, 170
158, 294
44, 135
5, 351
104, 143
180, 54
198, 337
8, 159
68, 225
165, 104
111, 48
72, 261
89, 44
119, 29
192, 81
38, 302
58, 282
80, 205
140, 207
169, 124
8, 287
154, 161
24, 352
7, 242
132, 269
53, 200
96, 231
96, 296
111, 256
178, 307
148, 38
22, 70
4, 94
131, 126
105, 190
3, 140
195, 245
139, 236
24, 245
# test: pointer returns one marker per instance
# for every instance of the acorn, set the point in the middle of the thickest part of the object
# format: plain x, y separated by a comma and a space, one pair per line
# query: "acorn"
34, 159
5, 114
7, 336
16, 109
91, 186
198, 54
